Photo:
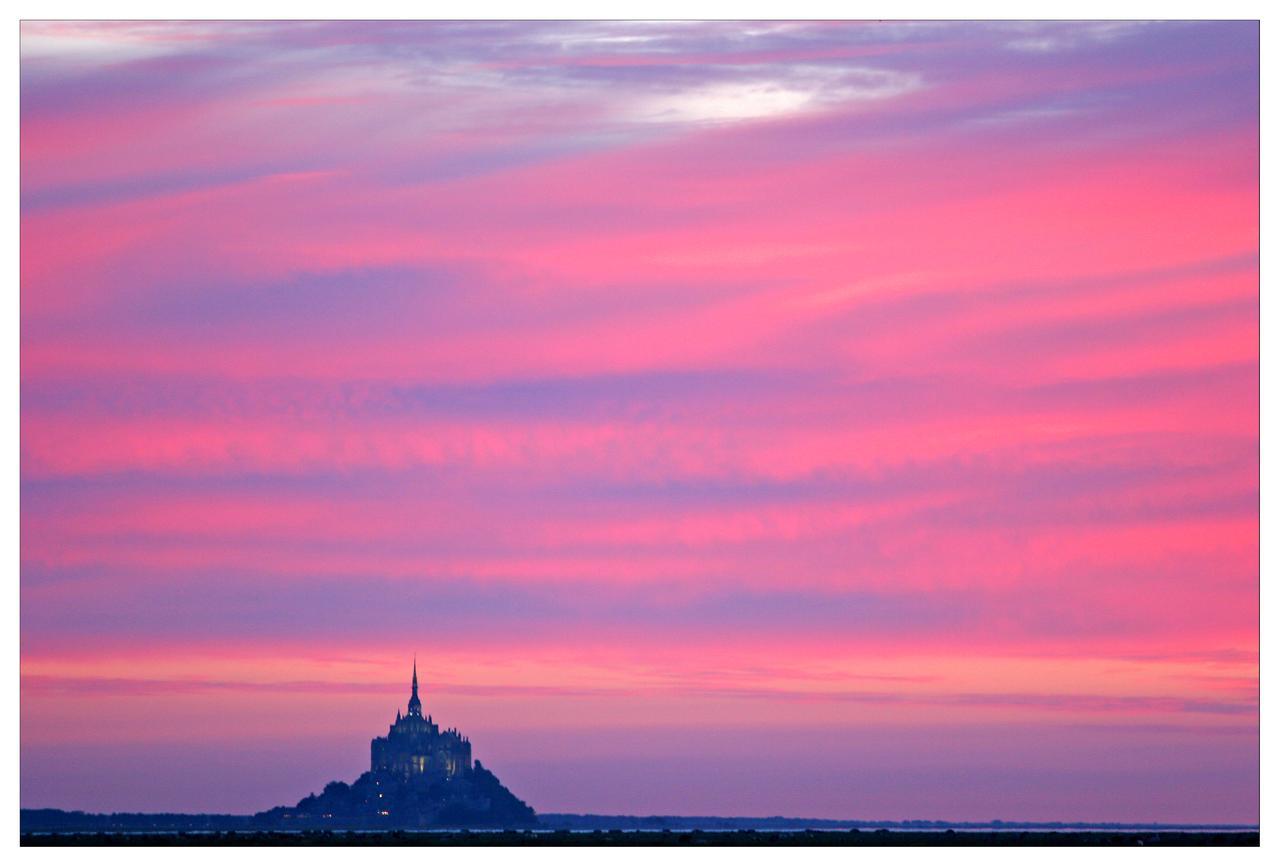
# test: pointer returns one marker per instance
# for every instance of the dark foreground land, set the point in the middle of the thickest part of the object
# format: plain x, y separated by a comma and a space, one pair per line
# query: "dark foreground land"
881, 837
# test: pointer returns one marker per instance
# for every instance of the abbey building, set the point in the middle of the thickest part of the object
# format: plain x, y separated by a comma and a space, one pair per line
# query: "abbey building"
416, 748
419, 777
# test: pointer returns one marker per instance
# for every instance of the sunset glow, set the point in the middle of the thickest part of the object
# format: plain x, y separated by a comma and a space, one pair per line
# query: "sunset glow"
816, 419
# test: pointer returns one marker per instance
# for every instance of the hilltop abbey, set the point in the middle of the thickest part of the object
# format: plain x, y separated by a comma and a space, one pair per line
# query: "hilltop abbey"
416, 747
418, 777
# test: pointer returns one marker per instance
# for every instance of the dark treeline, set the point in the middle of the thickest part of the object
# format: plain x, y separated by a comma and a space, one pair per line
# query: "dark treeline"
64, 821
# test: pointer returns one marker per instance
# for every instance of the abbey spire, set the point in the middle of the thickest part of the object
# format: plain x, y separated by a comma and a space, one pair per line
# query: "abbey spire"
415, 703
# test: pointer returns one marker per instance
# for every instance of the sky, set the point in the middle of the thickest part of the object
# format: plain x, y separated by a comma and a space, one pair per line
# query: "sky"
848, 420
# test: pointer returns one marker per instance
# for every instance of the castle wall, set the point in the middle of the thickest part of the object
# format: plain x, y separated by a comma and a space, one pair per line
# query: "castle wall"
416, 748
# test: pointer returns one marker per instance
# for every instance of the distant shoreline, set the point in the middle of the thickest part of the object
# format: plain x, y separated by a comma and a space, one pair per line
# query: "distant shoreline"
35, 821
745, 837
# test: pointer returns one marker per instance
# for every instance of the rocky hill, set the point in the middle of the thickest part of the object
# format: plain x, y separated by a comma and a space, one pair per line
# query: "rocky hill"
378, 800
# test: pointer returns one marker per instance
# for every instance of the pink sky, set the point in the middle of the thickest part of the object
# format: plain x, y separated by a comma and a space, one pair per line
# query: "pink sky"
823, 419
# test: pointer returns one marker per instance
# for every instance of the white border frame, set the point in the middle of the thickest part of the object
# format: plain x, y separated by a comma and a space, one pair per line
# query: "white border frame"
647, 9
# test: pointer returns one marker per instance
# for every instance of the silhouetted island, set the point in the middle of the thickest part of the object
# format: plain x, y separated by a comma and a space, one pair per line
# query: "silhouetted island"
419, 777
